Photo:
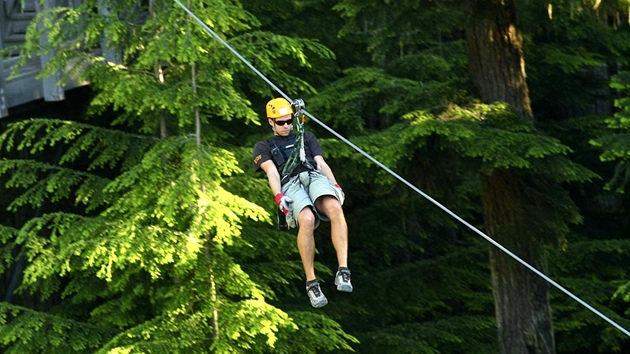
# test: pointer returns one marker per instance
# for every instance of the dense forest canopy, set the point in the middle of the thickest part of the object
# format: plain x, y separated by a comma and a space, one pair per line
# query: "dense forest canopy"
132, 220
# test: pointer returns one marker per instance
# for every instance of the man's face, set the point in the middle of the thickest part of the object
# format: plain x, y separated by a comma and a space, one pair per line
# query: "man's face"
282, 126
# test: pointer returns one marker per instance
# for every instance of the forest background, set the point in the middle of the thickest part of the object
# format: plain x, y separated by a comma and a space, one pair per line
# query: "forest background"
132, 220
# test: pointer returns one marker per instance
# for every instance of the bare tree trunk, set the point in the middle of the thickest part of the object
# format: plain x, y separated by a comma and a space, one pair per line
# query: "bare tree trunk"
208, 253
495, 56
497, 68
521, 298
159, 74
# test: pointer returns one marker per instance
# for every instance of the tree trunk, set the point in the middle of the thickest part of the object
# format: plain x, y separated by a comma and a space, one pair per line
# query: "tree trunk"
497, 68
495, 56
521, 301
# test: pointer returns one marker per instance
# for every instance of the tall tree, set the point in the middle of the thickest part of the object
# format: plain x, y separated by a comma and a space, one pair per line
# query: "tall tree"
497, 68
139, 247
533, 220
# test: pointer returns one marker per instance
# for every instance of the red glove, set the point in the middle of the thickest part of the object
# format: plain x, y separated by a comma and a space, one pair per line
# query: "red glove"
283, 202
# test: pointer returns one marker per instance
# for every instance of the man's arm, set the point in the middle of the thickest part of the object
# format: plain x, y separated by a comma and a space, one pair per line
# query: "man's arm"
272, 176
324, 169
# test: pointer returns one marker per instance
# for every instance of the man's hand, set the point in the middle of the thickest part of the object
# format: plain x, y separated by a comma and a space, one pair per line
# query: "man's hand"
283, 202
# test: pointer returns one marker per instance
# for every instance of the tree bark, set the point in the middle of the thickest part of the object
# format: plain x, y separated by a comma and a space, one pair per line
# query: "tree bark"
497, 68
495, 55
522, 309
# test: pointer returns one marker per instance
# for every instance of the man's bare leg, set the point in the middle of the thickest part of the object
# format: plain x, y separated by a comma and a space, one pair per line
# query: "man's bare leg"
339, 236
338, 228
306, 246
306, 242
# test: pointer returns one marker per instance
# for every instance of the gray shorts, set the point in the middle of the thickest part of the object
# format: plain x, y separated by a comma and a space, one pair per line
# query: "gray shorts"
304, 189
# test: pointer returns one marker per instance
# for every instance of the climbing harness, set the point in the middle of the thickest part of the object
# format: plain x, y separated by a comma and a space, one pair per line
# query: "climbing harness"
298, 155
288, 164
414, 188
295, 159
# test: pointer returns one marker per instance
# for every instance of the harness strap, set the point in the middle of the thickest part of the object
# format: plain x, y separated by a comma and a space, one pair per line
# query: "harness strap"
298, 155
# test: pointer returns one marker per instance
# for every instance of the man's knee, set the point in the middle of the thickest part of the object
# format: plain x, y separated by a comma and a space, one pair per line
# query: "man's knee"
306, 218
331, 206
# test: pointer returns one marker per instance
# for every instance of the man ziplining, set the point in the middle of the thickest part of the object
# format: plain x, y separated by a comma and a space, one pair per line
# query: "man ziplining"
342, 248
305, 191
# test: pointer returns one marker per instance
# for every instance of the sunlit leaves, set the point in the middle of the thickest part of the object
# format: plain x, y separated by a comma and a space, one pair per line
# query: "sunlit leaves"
140, 235
494, 134
151, 55
165, 215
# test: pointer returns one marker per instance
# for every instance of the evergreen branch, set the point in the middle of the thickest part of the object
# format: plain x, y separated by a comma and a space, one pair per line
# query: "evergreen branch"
330, 336
7, 255
105, 146
496, 136
56, 243
30, 331
45, 182
6, 233
156, 334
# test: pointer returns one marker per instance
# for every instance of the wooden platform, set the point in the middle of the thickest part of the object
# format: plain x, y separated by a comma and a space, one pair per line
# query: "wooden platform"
25, 87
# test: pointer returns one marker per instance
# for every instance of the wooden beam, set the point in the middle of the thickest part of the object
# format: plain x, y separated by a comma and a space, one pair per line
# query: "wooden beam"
4, 110
51, 89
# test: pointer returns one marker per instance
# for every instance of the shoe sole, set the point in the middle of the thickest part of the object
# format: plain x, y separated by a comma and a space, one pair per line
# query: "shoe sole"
347, 288
321, 303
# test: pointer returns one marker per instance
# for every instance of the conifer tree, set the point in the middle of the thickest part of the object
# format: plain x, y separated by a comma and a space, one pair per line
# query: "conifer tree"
376, 98
405, 95
615, 145
139, 246
497, 68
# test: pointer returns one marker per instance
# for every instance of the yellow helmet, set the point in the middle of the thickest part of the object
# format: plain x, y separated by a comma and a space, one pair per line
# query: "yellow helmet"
278, 107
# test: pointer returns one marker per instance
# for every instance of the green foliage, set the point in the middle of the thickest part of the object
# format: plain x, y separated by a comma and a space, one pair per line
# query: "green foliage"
36, 332
570, 50
367, 98
6, 253
594, 269
492, 134
141, 239
104, 148
364, 90
132, 242
615, 144
488, 137
391, 32
313, 326
433, 305
148, 75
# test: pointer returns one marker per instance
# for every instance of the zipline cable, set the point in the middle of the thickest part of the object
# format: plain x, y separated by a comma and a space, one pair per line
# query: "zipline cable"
238, 55
480, 233
414, 188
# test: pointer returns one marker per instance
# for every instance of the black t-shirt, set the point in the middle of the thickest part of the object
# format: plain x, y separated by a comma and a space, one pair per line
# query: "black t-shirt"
262, 150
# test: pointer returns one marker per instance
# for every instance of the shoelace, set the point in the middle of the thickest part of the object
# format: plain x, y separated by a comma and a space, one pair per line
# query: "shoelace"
345, 276
315, 289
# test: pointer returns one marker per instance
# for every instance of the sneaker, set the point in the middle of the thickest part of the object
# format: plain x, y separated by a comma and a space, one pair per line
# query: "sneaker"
342, 280
316, 295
